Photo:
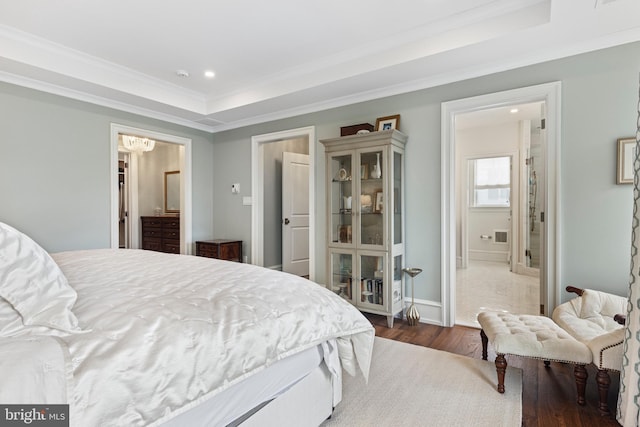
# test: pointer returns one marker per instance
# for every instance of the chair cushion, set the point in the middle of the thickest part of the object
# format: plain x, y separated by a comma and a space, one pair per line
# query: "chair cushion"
600, 307
589, 319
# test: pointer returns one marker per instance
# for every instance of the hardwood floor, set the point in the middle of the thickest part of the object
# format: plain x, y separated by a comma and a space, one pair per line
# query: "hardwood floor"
548, 394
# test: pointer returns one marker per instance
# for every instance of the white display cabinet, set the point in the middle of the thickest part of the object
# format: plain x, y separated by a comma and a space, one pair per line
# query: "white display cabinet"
365, 220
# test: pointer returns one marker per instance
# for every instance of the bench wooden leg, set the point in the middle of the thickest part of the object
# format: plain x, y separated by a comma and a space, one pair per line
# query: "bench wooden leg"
603, 380
501, 368
581, 381
485, 341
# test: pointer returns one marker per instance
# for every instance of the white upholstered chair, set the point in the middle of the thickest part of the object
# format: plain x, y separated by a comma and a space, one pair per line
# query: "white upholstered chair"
596, 319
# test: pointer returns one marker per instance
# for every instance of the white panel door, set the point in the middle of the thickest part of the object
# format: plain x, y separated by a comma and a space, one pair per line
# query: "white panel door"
295, 213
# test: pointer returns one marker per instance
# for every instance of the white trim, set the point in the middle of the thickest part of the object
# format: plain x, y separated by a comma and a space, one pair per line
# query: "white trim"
430, 311
134, 236
202, 114
185, 181
257, 191
102, 101
550, 94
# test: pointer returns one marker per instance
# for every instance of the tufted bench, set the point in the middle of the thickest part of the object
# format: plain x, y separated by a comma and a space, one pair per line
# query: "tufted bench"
536, 337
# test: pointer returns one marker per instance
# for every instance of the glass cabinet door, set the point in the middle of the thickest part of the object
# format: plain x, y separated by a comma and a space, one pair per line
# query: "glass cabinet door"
342, 275
396, 203
341, 198
371, 200
371, 290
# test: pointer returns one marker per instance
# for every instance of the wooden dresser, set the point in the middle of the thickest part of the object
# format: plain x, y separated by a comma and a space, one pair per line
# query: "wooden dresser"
230, 250
161, 233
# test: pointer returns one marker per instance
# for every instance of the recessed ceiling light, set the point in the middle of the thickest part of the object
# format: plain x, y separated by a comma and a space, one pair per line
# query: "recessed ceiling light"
182, 73
209, 74
513, 110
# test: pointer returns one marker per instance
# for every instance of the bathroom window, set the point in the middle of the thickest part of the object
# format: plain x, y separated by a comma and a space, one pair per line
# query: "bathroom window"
491, 182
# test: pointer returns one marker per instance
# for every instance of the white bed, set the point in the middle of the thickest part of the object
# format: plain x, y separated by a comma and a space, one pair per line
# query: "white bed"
130, 337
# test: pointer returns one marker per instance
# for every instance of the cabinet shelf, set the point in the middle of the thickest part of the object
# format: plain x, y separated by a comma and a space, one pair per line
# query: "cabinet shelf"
348, 214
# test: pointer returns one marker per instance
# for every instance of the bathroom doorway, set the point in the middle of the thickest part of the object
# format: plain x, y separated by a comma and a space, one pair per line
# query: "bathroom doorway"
548, 192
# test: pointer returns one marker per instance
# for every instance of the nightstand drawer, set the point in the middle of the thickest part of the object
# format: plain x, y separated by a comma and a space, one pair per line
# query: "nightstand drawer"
229, 250
206, 250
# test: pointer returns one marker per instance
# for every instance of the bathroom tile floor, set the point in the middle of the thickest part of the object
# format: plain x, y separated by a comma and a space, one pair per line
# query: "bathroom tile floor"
490, 285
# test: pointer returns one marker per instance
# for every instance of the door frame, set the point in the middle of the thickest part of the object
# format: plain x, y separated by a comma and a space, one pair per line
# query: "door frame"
550, 93
257, 190
127, 157
185, 184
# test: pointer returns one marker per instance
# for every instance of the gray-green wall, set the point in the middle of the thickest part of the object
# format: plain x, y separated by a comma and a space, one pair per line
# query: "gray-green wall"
599, 105
54, 168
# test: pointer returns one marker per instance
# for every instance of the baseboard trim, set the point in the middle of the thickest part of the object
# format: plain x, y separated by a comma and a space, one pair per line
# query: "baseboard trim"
430, 311
496, 256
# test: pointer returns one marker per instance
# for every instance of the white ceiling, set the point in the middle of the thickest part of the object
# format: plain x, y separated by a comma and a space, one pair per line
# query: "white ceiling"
285, 57
500, 115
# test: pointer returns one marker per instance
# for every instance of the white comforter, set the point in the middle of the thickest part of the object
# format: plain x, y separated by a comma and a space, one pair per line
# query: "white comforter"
166, 332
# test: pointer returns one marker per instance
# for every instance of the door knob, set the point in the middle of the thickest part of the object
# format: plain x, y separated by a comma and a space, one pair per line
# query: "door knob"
286, 221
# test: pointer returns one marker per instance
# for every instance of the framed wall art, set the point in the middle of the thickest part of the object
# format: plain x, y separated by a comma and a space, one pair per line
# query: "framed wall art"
626, 156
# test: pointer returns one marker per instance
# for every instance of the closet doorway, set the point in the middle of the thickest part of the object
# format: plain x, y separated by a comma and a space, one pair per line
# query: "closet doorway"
549, 95
272, 146
177, 147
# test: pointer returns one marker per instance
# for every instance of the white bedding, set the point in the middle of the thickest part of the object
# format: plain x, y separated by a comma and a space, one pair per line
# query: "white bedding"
165, 332
245, 397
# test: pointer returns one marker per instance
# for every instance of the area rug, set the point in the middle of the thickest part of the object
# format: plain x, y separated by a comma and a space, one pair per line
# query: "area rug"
410, 385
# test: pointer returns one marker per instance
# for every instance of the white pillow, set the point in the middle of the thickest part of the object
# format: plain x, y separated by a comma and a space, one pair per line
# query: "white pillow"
33, 284
600, 307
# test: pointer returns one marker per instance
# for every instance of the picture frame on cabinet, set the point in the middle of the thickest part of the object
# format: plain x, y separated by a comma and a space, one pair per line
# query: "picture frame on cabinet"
626, 156
366, 204
377, 207
388, 123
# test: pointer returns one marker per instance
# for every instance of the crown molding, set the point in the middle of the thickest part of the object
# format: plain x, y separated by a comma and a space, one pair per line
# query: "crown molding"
34, 51
98, 100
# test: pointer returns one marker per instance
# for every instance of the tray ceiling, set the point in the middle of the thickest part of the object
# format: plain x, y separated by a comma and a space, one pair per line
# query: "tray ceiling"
282, 58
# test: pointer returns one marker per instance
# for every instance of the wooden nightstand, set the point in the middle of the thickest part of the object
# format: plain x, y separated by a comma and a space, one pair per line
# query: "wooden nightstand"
230, 250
